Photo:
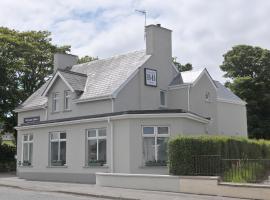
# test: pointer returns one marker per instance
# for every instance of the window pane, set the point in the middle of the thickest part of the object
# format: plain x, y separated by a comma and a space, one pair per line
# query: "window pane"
163, 130
62, 135
67, 102
162, 98
92, 133
102, 132
54, 136
102, 150
25, 138
25, 152
54, 153
149, 149
148, 130
162, 148
92, 150
63, 152
30, 152
30, 137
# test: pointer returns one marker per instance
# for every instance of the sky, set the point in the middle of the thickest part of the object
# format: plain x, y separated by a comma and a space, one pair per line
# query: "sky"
203, 30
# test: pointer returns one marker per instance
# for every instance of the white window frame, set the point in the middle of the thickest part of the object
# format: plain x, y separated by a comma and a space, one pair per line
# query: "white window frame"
59, 140
67, 97
97, 138
155, 136
165, 98
55, 102
28, 142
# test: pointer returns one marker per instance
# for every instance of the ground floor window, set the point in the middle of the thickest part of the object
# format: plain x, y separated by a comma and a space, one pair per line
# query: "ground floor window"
155, 139
96, 146
57, 148
27, 150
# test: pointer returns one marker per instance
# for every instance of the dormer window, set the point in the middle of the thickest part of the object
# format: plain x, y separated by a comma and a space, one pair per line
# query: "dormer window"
67, 95
55, 102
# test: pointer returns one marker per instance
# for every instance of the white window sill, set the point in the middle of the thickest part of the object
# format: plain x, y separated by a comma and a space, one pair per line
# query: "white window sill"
93, 166
65, 166
55, 112
67, 110
163, 107
24, 166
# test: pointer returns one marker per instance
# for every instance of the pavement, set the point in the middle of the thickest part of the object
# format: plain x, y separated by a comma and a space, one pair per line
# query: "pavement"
91, 191
7, 193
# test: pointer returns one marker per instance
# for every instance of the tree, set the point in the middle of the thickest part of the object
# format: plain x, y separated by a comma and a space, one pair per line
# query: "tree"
26, 60
86, 59
249, 69
180, 67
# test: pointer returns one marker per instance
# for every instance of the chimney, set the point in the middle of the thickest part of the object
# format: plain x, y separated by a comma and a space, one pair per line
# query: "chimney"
158, 41
62, 61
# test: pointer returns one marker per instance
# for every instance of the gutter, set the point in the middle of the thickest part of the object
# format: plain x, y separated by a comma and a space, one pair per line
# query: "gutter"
115, 117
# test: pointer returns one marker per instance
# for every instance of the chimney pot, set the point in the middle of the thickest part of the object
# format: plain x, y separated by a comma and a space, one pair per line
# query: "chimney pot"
159, 25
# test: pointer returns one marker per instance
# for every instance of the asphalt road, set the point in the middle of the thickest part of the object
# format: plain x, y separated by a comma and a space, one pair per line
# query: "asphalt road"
7, 193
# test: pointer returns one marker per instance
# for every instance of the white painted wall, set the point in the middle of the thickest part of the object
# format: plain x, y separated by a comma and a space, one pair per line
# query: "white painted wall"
232, 119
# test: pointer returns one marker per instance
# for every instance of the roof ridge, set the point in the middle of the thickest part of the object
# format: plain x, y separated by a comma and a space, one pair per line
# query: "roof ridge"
111, 57
72, 72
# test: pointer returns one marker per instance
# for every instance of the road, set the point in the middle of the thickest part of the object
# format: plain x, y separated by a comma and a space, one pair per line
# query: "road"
7, 193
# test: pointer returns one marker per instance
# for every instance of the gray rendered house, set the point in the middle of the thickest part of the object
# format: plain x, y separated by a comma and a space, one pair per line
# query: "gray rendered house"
116, 114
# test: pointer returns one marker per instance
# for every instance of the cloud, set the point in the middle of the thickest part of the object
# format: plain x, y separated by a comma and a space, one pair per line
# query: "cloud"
203, 30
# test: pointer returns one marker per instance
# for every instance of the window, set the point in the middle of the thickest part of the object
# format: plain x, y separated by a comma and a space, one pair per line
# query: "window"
207, 97
96, 146
67, 100
55, 102
155, 139
27, 150
162, 98
58, 149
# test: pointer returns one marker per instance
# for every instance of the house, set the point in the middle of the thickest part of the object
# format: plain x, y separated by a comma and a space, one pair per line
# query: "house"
116, 114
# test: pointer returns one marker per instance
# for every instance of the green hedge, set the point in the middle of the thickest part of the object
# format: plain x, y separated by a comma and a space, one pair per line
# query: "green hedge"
7, 158
182, 149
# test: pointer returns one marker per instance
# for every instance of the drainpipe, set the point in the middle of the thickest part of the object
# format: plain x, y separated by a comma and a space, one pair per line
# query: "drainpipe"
189, 97
112, 158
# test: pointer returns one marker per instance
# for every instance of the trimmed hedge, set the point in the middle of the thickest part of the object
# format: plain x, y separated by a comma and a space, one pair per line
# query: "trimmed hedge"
182, 149
7, 158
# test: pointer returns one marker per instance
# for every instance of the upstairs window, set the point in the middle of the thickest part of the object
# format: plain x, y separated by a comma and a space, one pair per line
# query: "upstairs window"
155, 139
96, 147
27, 149
55, 102
67, 95
162, 98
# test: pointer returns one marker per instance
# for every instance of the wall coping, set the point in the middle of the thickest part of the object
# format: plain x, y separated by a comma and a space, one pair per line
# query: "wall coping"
250, 185
138, 175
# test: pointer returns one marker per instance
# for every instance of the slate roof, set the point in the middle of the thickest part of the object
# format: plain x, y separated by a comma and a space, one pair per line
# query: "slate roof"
107, 75
190, 76
36, 99
96, 79
226, 93
76, 80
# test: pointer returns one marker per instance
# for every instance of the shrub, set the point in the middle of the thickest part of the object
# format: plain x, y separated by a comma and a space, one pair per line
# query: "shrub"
182, 149
7, 158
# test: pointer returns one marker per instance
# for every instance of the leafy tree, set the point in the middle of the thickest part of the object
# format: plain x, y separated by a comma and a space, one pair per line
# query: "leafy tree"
180, 67
26, 60
249, 69
86, 59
